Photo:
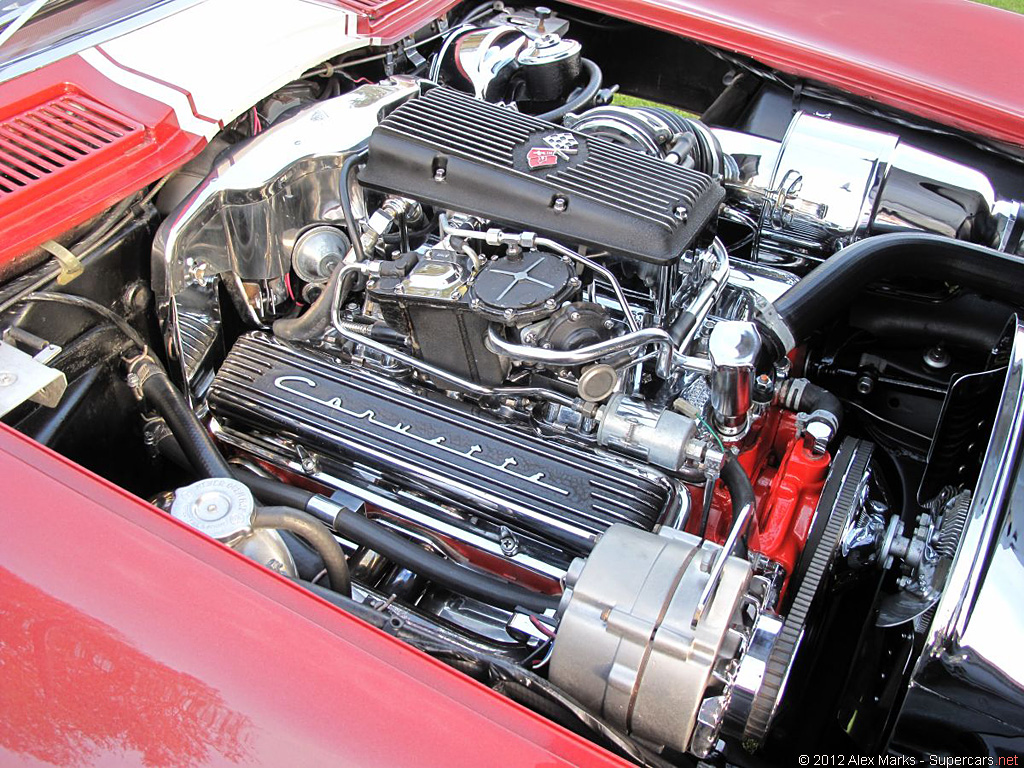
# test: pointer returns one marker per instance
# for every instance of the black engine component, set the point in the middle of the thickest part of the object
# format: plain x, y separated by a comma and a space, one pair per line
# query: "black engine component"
457, 152
576, 325
446, 310
522, 287
356, 421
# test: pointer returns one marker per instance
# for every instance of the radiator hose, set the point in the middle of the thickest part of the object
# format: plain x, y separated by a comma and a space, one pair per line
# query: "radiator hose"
831, 287
313, 532
399, 549
193, 439
199, 449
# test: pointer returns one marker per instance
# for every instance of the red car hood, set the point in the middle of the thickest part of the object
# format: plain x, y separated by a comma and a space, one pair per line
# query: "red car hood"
952, 61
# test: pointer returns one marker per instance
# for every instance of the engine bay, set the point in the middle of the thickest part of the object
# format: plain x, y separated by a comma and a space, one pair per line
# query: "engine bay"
669, 423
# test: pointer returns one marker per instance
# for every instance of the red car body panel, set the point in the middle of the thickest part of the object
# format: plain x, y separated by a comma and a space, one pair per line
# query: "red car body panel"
128, 638
84, 186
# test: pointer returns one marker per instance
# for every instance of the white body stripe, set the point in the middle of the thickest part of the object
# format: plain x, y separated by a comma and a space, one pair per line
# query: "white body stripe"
176, 100
228, 54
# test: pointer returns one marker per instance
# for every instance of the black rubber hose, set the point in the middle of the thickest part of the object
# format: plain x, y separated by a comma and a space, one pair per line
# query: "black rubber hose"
489, 589
681, 326
402, 551
817, 398
316, 320
741, 493
830, 288
802, 396
481, 586
583, 98
346, 201
193, 439
315, 533
271, 491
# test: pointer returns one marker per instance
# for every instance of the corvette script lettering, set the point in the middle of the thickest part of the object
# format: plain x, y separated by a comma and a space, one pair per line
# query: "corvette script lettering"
287, 384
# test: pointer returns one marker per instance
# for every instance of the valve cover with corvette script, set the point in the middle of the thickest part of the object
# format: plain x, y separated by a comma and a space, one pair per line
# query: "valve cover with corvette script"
441, 447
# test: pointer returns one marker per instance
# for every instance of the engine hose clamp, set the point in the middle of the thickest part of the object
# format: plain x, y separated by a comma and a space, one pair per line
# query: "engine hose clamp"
772, 321
140, 369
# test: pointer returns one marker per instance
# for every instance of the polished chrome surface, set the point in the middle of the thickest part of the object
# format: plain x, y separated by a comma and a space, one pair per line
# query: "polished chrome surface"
628, 342
623, 125
480, 61
733, 348
655, 435
709, 293
344, 419
547, 49
824, 186
220, 507
828, 183
194, 326
242, 221
740, 523
757, 279
450, 531
450, 379
973, 645
317, 252
245, 216
750, 674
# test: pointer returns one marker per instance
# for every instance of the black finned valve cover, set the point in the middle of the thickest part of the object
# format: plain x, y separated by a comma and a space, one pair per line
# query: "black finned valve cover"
451, 150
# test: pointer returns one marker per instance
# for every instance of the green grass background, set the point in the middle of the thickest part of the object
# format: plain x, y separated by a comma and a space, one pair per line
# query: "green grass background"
1010, 5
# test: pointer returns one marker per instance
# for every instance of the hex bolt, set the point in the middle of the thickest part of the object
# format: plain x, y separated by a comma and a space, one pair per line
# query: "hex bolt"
865, 384
817, 436
440, 175
560, 204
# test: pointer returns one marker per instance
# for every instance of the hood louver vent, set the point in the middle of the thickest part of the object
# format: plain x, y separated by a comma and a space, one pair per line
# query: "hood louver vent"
68, 131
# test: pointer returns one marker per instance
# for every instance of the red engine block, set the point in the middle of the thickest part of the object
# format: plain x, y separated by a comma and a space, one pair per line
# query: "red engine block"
787, 479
